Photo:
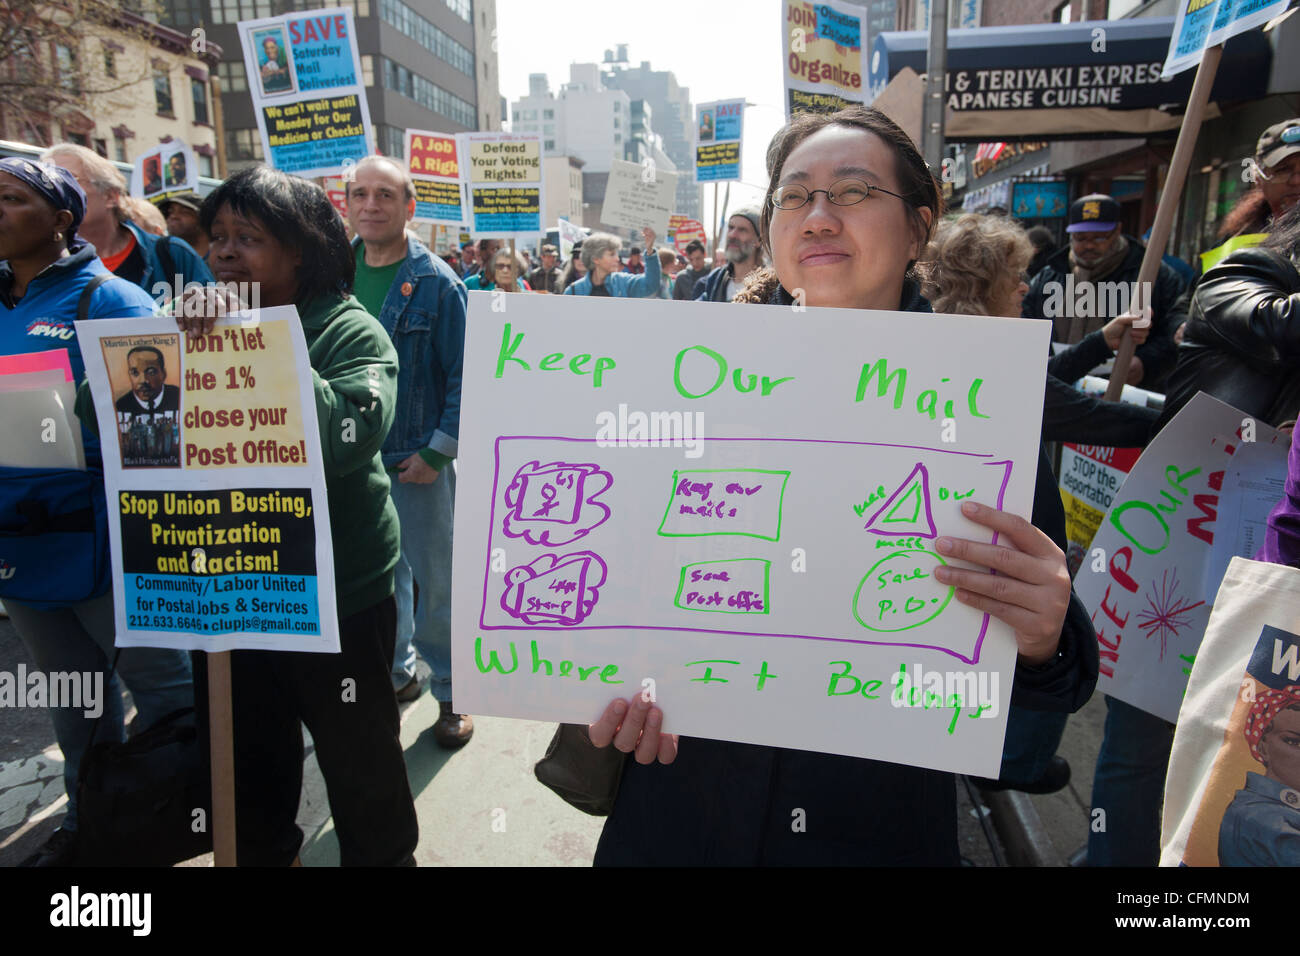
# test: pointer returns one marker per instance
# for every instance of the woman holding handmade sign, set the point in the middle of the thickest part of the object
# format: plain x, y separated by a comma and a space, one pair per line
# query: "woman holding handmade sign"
282, 232
53, 525
844, 187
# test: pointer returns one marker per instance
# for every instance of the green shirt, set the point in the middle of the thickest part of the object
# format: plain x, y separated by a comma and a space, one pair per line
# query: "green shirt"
354, 370
372, 283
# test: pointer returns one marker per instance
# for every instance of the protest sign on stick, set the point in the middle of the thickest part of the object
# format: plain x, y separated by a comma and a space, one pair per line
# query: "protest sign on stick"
678, 501
719, 126
1200, 30
504, 180
637, 196
218, 517
304, 75
434, 163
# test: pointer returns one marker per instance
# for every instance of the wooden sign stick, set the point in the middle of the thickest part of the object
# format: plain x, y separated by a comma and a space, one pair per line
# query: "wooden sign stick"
1169, 199
221, 743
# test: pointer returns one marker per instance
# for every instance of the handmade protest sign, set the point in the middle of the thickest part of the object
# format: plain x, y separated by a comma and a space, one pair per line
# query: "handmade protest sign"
679, 503
304, 76
218, 519
434, 162
825, 56
1144, 579
504, 178
1204, 23
718, 128
637, 196
163, 171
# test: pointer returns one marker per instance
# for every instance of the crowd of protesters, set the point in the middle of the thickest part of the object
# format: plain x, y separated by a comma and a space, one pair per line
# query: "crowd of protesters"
385, 318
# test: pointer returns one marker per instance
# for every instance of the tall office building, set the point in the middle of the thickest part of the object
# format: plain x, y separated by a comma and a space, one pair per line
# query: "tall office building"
426, 64
673, 117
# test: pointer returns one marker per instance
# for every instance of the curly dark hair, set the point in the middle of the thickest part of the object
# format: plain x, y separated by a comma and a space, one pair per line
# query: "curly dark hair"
298, 214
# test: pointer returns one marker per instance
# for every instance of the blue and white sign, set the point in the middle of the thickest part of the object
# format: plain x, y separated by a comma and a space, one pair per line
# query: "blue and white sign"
1206, 23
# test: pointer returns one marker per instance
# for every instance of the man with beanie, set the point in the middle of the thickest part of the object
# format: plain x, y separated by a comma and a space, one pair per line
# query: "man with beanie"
744, 255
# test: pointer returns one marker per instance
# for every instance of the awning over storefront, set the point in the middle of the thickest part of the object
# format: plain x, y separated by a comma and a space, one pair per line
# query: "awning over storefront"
1094, 79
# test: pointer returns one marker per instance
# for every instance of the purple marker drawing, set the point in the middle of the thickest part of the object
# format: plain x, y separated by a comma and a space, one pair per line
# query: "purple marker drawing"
554, 589
907, 510
555, 503
502, 444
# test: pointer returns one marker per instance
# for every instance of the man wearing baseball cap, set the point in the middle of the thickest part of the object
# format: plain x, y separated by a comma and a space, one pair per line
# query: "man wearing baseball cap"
182, 215
1079, 288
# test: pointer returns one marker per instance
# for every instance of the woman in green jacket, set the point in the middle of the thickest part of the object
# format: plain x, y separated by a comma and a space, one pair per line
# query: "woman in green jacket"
282, 232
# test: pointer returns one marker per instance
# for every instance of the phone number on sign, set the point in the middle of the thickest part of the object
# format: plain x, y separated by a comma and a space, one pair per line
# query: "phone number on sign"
223, 625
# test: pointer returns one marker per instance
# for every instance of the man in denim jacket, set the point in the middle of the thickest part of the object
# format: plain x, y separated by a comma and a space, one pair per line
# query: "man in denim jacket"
421, 304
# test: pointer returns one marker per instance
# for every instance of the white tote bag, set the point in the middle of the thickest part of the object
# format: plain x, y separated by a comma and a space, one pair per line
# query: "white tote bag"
1232, 794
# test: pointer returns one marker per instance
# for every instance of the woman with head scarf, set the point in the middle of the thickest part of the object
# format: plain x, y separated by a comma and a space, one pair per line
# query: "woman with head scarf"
281, 232
1261, 827
60, 602
849, 208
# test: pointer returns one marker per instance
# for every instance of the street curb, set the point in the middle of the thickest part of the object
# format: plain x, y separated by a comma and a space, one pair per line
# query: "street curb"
1021, 830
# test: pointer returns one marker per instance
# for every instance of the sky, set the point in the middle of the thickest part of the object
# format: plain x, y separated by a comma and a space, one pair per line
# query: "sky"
713, 48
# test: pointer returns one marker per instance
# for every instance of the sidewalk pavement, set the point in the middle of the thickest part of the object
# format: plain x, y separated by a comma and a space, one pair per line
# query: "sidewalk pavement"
1046, 829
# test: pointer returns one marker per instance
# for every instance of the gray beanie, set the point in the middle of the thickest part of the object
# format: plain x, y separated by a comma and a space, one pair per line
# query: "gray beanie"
752, 213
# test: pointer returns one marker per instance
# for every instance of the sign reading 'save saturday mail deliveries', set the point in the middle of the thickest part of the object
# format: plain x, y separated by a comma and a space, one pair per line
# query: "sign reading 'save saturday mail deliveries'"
674, 500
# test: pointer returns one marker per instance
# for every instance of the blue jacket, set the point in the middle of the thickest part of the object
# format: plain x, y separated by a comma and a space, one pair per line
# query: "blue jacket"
53, 574
187, 262
624, 284
427, 325
713, 287
43, 319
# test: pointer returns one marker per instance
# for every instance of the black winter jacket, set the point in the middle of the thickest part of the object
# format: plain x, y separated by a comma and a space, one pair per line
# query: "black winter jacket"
1242, 341
731, 804
1070, 415
1158, 352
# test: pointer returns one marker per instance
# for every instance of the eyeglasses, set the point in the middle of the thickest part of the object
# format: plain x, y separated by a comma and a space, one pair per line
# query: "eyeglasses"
1080, 238
846, 192
503, 265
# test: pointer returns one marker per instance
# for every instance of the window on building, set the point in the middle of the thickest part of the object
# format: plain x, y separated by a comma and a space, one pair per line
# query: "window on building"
368, 70
119, 148
1118, 8
183, 15
1062, 13
67, 61
81, 139
232, 76
110, 62
461, 8
548, 114
199, 93
615, 122
408, 22
243, 144
206, 165
232, 11
162, 91
618, 137
101, 147
429, 95
550, 145
392, 140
